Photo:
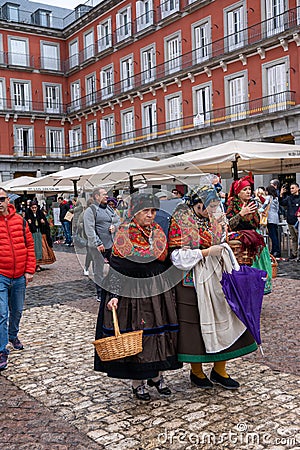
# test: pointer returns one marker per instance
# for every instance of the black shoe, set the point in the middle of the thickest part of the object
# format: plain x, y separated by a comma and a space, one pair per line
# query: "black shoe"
227, 383
292, 258
162, 389
203, 383
141, 393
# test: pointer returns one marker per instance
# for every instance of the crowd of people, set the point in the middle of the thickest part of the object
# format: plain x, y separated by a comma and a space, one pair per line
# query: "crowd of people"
157, 258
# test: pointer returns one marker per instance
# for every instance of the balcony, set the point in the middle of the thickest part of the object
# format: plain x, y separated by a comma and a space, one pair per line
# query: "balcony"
19, 61
104, 44
168, 11
25, 106
49, 64
144, 23
123, 34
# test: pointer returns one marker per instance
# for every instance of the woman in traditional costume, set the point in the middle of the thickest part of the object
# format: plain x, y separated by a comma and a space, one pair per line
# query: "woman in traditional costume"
242, 214
208, 330
144, 300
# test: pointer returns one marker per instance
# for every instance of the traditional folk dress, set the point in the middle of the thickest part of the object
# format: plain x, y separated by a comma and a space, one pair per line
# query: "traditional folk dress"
189, 231
138, 278
250, 222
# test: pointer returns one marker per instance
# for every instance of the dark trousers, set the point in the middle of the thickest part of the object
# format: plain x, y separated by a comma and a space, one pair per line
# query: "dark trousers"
98, 264
273, 235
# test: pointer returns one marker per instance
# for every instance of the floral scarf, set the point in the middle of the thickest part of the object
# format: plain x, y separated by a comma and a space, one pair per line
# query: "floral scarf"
132, 240
235, 207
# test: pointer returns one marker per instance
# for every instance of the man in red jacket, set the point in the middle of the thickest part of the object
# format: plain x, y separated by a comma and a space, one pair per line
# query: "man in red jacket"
17, 266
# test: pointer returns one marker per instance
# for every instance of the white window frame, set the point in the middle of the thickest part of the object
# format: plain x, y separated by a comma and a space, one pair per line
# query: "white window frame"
107, 81
55, 141
104, 35
89, 44
123, 24
274, 13
173, 110
19, 145
75, 90
20, 58
169, 7
202, 104
21, 95
201, 39
276, 82
2, 93
236, 95
52, 98
128, 127
91, 135
50, 63
73, 56
144, 14
149, 119
90, 89
127, 75
75, 139
107, 130
1, 50
235, 24
173, 53
148, 63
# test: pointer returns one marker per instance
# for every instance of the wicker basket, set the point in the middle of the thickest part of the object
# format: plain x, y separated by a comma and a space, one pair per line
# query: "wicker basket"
242, 256
274, 265
120, 345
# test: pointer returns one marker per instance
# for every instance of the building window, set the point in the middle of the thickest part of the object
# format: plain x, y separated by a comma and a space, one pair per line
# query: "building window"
73, 54
123, 19
173, 54
18, 52
21, 95
276, 85
107, 81
50, 59
55, 141
90, 87
107, 131
89, 46
52, 95
202, 97
201, 42
174, 114
127, 73
23, 141
144, 14
275, 16
42, 17
148, 64
10, 11
168, 7
2, 94
75, 139
149, 120
91, 133
235, 28
236, 96
75, 96
1, 50
104, 35
127, 126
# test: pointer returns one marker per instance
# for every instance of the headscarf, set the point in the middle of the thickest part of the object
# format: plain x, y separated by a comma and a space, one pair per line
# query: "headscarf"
240, 184
142, 201
113, 200
204, 194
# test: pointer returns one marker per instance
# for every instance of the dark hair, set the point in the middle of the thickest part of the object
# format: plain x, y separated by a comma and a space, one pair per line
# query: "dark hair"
295, 184
60, 198
4, 190
271, 190
33, 203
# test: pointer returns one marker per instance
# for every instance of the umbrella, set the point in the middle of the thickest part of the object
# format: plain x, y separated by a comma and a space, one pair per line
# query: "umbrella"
13, 197
244, 290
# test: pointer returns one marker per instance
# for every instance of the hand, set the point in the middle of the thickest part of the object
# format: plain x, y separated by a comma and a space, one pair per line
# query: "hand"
113, 303
215, 250
101, 248
28, 277
282, 191
249, 208
112, 229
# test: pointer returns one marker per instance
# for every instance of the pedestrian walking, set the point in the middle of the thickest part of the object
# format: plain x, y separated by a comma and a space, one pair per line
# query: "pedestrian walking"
64, 207
201, 304
143, 299
271, 204
100, 224
17, 266
291, 203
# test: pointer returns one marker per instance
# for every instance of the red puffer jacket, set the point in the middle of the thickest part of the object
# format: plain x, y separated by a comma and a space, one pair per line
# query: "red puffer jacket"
15, 258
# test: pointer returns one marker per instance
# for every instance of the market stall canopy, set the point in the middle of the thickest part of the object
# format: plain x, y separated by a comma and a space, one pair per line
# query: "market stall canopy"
258, 157
17, 182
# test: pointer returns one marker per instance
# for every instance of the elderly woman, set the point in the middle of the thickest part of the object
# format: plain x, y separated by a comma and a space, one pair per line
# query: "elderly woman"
242, 214
143, 299
195, 226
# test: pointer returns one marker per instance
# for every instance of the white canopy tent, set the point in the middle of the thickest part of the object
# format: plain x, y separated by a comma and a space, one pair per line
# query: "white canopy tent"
16, 183
257, 157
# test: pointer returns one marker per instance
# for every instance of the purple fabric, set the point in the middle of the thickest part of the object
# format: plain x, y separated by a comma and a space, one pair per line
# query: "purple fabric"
244, 290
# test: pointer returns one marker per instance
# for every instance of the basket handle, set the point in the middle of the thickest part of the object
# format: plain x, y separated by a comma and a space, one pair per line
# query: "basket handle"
115, 322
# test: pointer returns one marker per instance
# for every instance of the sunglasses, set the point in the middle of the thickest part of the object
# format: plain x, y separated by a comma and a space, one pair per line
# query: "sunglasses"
2, 199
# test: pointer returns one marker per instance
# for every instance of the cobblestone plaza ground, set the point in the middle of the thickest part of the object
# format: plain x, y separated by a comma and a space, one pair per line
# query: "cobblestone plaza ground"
52, 399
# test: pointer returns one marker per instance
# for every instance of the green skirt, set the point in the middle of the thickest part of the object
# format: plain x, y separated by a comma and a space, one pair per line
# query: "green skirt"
263, 262
38, 248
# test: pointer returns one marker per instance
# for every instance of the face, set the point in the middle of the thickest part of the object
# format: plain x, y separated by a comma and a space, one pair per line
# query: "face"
145, 217
245, 194
111, 204
33, 209
102, 197
4, 201
198, 209
294, 189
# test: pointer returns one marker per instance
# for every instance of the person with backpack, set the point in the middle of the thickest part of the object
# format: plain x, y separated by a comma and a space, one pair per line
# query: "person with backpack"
100, 224
17, 266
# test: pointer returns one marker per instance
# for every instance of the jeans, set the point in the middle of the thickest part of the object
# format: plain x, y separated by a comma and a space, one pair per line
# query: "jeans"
273, 235
12, 296
67, 231
98, 263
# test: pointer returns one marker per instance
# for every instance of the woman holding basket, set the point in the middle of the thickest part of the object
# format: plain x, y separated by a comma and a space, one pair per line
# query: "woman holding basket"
144, 299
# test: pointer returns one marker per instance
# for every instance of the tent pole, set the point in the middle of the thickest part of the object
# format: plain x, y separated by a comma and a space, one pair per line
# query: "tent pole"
75, 188
131, 188
235, 169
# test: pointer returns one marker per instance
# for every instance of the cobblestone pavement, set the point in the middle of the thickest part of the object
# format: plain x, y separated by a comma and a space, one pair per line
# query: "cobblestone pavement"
52, 399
